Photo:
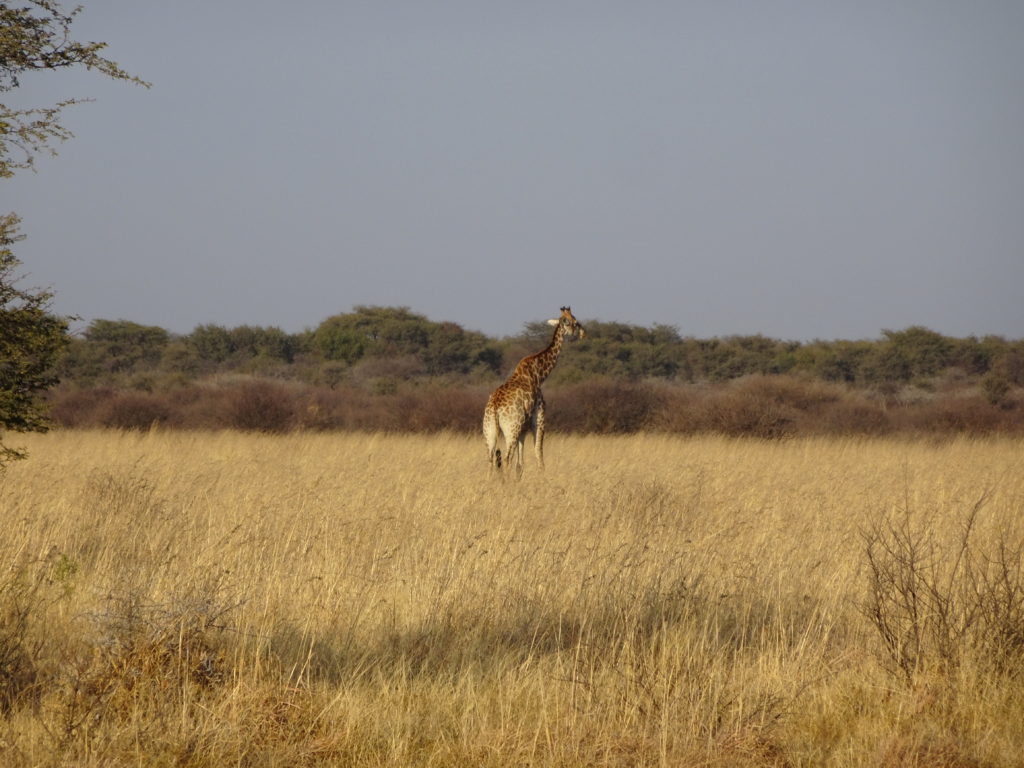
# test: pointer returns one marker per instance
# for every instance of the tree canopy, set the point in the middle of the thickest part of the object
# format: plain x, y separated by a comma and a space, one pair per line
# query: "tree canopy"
30, 340
34, 36
370, 344
393, 332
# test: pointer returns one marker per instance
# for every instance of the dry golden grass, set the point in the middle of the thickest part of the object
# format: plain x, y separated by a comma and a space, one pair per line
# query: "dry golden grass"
210, 599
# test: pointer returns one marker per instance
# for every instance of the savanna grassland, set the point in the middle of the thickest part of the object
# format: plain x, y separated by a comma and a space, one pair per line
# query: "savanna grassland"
211, 599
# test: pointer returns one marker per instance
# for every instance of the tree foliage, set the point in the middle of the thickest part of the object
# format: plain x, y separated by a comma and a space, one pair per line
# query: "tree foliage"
35, 36
30, 340
114, 346
383, 345
215, 344
395, 332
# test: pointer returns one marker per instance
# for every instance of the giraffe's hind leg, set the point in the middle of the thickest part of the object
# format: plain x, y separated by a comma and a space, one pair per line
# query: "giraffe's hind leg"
514, 429
537, 427
520, 449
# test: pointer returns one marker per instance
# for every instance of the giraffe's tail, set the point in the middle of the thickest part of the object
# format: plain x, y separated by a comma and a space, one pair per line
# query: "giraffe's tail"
497, 457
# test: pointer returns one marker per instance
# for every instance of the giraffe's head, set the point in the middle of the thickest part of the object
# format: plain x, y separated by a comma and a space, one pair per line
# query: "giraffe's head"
569, 324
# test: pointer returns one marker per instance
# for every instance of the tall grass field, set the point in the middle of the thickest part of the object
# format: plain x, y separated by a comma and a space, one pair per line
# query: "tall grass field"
231, 599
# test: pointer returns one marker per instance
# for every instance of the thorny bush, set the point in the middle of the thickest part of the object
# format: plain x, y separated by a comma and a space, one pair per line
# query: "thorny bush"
937, 604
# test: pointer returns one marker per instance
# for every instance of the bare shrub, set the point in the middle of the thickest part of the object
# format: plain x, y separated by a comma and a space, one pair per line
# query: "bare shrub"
259, 406
28, 588
79, 407
318, 410
356, 409
134, 410
19, 600
604, 406
934, 605
142, 654
853, 415
678, 410
352, 408
801, 394
378, 398
761, 406
442, 408
970, 415
740, 415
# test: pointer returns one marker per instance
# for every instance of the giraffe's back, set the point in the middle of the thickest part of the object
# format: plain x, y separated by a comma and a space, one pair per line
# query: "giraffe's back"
515, 396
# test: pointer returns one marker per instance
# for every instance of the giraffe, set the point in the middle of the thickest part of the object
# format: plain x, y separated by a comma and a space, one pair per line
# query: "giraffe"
518, 405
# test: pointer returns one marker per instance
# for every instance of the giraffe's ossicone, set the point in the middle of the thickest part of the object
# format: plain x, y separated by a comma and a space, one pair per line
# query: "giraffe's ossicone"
517, 406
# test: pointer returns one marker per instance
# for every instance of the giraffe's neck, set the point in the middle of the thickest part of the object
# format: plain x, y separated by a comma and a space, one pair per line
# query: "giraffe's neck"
544, 361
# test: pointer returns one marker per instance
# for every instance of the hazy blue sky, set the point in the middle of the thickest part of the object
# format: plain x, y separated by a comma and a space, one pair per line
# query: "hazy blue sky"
798, 169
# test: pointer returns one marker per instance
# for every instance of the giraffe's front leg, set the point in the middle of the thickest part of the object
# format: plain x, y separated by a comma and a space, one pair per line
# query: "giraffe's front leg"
537, 426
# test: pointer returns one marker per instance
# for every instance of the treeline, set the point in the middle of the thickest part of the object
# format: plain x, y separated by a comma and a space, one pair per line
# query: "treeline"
385, 346
390, 368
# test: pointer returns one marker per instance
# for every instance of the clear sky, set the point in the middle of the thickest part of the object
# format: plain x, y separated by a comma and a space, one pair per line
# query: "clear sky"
817, 169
